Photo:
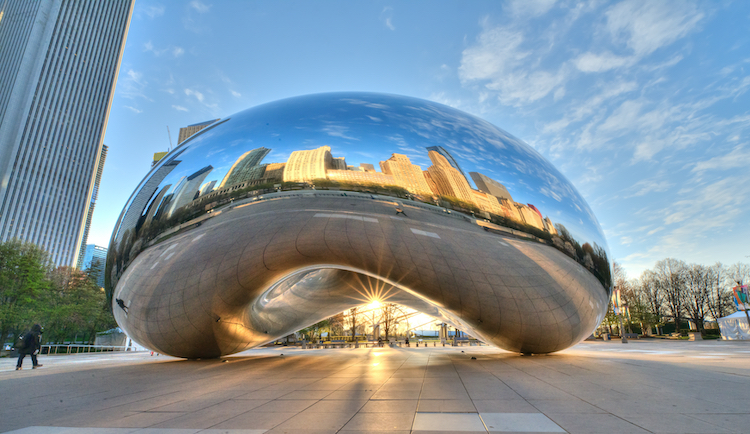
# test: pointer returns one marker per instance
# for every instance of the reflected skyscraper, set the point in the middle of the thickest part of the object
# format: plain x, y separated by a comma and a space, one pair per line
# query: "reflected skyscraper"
452, 161
144, 197
189, 130
58, 68
308, 165
246, 167
408, 175
448, 180
488, 185
187, 190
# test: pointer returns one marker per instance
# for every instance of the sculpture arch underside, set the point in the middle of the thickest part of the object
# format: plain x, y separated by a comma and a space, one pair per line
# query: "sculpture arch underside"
261, 269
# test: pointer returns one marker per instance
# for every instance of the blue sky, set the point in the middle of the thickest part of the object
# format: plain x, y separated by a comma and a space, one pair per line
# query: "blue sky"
644, 106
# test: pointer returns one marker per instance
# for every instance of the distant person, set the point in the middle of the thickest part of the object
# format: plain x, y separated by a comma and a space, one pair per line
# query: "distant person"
407, 342
380, 342
32, 342
121, 303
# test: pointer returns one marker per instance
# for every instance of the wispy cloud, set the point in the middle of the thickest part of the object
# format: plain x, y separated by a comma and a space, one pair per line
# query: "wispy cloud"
641, 28
133, 109
133, 85
195, 93
235, 94
178, 51
200, 6
387, 17
504, 66
153, 11
738, 157
180, 108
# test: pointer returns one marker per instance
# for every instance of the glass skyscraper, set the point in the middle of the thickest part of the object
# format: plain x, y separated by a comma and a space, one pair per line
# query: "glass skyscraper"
58, 68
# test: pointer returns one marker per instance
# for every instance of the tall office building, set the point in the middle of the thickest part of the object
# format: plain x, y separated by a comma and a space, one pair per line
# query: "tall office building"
58, 69
308, 165
488, 185
448, 181
189, 130
407, 175
90, 212
246, 167
452, 161
93, 260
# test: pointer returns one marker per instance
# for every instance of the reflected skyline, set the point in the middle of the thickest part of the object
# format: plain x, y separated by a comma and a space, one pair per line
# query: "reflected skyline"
396, 165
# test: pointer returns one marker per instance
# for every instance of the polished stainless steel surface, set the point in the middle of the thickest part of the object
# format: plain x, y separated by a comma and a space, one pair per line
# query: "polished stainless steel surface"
284, 214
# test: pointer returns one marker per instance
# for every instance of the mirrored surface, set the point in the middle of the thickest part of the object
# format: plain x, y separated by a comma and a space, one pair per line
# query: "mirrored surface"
281, 215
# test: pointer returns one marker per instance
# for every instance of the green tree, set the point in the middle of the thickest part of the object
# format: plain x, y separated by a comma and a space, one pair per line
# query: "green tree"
23, 280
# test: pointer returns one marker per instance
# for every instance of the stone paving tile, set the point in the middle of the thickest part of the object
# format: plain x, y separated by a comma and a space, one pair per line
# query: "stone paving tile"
253, 420
446, 406
381, 421
286, 406
675, 423
390, 406
595, 424
595, 387
316, 421
504, 406
448, 422
519, 422
564, 406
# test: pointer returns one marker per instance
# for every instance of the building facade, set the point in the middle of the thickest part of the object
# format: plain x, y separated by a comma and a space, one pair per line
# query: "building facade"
246, 168
58, 69
93, 260
448, 181
490, 186
90, 212
189, 130
407, 175
308, 165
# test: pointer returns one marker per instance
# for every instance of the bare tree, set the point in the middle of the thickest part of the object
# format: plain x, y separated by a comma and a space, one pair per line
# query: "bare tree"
626, 294
697, 284
719, 294
670, 274
739, 273
652, 291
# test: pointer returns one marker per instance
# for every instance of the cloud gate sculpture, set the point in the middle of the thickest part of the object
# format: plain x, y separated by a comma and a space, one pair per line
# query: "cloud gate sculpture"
284, 214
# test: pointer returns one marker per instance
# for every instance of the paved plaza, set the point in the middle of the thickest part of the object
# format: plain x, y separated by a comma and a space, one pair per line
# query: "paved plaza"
595, 387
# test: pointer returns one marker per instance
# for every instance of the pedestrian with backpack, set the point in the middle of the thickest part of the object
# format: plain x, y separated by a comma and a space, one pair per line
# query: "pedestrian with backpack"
32, 342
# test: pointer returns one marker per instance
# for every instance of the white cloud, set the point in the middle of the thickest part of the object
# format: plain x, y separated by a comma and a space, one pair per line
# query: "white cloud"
154, 11
646, 26
387, 16
643, 27
499, 61
236, 94
736, 158
199, 6
133, 109
178, 51
195, 93
133, 86
531, 8
590, 62
180, 108
646, 186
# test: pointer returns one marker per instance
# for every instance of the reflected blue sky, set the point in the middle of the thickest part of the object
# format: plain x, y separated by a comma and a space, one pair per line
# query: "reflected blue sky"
368, 128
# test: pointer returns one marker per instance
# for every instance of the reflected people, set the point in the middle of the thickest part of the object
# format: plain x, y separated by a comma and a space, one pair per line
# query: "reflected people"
279, 216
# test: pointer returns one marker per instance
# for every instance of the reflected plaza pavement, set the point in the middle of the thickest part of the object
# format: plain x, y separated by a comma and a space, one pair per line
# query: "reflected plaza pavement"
650, 386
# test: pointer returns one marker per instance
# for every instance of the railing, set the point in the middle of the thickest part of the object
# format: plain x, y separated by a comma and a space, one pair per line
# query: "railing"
52, 349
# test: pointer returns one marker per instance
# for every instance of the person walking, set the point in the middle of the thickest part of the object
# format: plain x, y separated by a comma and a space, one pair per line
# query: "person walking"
32, 342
